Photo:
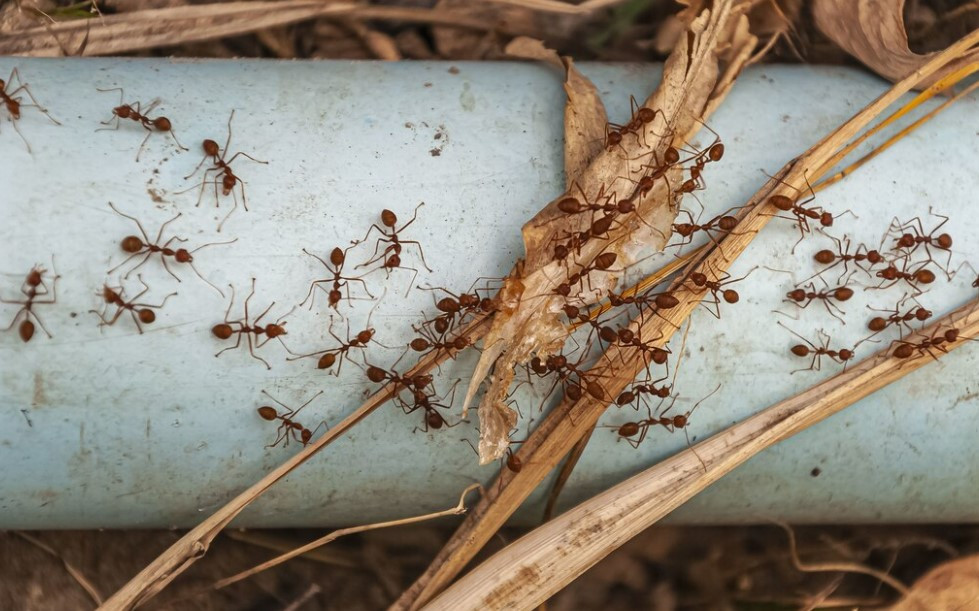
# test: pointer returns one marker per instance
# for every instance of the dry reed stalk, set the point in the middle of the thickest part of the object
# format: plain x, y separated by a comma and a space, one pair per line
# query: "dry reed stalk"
154, 28
533, 568
569, 421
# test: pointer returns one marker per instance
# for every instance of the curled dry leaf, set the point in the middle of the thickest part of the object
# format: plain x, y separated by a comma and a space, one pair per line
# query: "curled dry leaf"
873, 32
951, 585
531, 324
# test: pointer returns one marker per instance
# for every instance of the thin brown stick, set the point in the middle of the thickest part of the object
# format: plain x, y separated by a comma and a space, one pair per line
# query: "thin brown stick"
539, 564
565, 473
457, 509
77, 575
567, 422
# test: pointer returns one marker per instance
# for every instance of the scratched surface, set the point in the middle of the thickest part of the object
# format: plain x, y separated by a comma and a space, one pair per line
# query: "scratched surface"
110, 428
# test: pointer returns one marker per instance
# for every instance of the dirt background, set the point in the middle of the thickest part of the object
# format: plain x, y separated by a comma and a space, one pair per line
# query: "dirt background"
666, 568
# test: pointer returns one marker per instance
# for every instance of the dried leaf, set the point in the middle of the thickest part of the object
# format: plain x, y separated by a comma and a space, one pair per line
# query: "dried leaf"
584, 112
873, 32
532, 325
951, 585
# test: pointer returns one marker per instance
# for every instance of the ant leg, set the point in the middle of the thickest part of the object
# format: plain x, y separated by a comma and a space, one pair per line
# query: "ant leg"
227, 143
174, 136
420, 251
251, 350
23, 87
233, 208
17, 316
377, 245
199, 275
139, 151
239, 153
413, 217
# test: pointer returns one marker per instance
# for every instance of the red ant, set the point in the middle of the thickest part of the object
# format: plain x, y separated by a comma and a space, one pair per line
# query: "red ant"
222, 170
913, 235
701, 282
33, 286
802, 214
559, 364
457, 305
417, 382
722, 223
629, 430
828, 298
13, 105
433, 419
601, 263
633, 395
658, 171
136, 246
641, 116
228, 328
128, 111
289, 424
391, 256
428, 342
842, 254
141, 312
906, 349
626, 337
879, 323
893, 275
817, 352
332, 355
335, 266
714, 152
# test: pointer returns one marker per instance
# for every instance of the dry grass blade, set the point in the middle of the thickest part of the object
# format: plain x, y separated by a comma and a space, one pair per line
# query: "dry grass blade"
568, 422
536, 566
77, 575
148, 29
194, 544
457, 509
951, 585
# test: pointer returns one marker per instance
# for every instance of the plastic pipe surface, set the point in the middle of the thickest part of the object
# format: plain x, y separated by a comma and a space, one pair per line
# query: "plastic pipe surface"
107, 427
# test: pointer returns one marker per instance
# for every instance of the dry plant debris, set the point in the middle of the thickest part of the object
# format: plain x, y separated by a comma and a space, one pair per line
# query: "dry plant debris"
952, 585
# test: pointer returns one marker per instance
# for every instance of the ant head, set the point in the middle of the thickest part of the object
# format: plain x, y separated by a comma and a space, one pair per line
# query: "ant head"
326, 361
951, 335
146, 316
389, 218
393, 261
824, 256
109, 294
268, 413
26, 330
470, 300
698, 278
625, 206
679, 421
337, 257
123, 112
888, 273
846, 354
460, 343
646, 115
826, 219
228, 181
903, 351
162, 124
561, 252
376, 374
944, 241
34, 276
222, 331
211, 148
922, 314
659, 356
731, 295
781, 202
563, 289
421, 380
442, 324
613, 138
131, 244
626, 335
334, 297
874, 257
715, 152
905, 241
183, 256
800, 350
434, 419
843, 293
274, 330
558, 361
569, 205
877, 324
365, 336
305, 435
573, 392
663, 392
796, 294
571, 311
671, 156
